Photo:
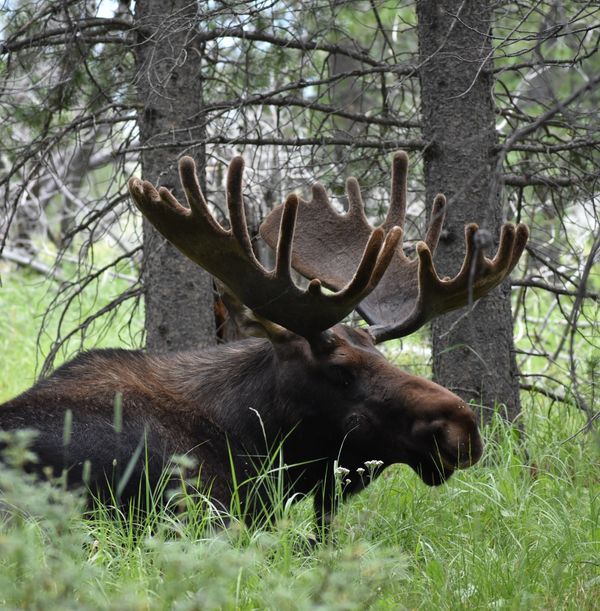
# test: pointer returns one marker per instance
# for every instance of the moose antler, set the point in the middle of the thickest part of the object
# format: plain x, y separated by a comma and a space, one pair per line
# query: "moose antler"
227, 253
410, 292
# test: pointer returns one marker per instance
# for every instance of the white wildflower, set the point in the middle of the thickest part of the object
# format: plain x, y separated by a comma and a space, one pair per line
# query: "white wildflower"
372, 466
341, 472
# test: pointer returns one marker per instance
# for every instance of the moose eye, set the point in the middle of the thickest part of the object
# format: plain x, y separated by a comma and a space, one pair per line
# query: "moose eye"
342, 375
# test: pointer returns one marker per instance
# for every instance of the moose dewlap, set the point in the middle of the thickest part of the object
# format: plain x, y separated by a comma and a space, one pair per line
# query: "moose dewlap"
317, 392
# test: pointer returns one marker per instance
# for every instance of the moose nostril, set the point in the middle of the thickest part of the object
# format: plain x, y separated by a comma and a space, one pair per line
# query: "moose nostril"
477, 446
471, 451
465, 446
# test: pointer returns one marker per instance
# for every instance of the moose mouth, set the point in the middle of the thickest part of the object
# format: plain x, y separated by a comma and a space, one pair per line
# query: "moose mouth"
433, 472
436, 469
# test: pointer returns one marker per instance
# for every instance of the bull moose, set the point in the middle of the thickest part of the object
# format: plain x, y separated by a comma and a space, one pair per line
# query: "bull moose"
317, 391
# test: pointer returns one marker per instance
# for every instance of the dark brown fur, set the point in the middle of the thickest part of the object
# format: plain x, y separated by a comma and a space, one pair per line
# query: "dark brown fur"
336, 399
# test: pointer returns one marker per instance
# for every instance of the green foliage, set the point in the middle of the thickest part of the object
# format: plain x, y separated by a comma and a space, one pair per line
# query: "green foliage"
543, 356
43, 540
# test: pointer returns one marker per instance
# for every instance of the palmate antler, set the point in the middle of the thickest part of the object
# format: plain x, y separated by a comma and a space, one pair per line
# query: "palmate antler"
227, 253
410, 292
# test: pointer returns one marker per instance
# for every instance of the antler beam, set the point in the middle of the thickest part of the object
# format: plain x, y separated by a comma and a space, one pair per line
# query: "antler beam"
227, 253
410, 292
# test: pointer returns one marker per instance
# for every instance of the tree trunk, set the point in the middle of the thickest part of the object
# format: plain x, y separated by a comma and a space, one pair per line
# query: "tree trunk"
473, 350
178, 293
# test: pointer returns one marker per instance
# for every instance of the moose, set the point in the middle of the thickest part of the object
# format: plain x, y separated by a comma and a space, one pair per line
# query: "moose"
317, 392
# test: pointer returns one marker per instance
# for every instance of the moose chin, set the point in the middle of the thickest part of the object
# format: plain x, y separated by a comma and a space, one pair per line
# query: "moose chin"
317, 392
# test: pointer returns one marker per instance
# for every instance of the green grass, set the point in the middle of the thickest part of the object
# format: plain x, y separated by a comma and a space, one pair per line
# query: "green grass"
521, 530
24, 298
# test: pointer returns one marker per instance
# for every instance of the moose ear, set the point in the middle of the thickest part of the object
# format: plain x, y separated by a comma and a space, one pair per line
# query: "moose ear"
248, 323
324, 343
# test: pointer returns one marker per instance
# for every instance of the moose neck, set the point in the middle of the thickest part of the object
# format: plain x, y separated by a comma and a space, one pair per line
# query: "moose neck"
235, 387
242, 389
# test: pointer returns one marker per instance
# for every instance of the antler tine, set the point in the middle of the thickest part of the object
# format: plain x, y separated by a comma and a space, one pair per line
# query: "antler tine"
159, 206
363, 273
504, 261
475, 254
235, 205
355, 202
397, 210
438, 216
286, 237
504, 253
512, 243
390, 248
194, 196
521, 237
166, 197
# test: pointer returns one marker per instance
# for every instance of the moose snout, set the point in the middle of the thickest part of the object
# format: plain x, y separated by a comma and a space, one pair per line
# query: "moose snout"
462, 445
457, 444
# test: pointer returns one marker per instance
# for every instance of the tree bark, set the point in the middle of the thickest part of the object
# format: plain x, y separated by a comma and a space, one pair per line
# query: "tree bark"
473, 351
178, 293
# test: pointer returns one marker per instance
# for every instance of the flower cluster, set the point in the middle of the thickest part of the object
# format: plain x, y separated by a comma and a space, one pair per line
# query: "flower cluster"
372, 465
341, 472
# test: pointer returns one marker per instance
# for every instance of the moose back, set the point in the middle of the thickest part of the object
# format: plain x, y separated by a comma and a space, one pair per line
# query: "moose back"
317, 393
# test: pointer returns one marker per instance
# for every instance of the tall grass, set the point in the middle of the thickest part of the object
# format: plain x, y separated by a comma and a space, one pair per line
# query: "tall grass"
521, 530
24, 298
